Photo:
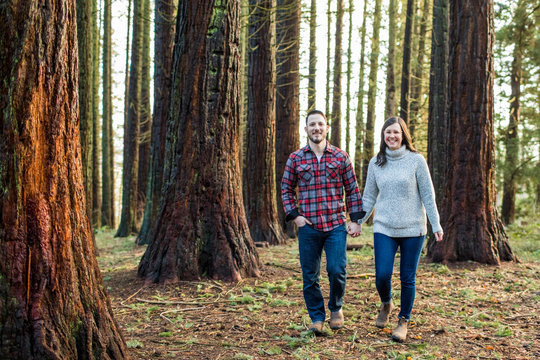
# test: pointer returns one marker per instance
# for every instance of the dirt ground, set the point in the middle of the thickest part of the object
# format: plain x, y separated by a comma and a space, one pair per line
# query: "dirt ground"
462, 311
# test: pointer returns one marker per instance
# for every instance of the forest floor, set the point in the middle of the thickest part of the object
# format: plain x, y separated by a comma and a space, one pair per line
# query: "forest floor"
462, 311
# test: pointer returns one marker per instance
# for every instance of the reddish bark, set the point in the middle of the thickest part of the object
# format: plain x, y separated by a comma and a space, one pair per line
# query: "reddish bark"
473, 229
201, 228
52, 299
287, 97
260, 176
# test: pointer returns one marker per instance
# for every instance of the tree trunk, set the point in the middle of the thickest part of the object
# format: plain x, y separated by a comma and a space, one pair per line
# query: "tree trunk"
349, 75
85, 40
473, 229
438, 135
415, 105
96, 196
328, 63
508, 212
107, 164
372, 90
201, 229
406, 65
260, 176
336, 92
131, 129
52, 299
164, 15
390, 102
312, 83
358, 151
287, 97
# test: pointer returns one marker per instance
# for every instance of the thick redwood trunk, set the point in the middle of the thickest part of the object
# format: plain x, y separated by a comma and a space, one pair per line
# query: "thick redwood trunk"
287, 97
473, 229
260, 176
164, 14
52, 299
201, 228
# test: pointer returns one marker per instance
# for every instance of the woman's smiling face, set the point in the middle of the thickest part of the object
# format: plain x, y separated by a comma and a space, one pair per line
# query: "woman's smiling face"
393, 136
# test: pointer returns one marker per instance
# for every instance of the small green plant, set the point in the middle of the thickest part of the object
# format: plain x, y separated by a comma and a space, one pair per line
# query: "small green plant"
134, 344
504, 331
166, 334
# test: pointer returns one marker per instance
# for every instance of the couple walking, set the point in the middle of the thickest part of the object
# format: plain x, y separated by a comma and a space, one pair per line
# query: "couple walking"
398, 182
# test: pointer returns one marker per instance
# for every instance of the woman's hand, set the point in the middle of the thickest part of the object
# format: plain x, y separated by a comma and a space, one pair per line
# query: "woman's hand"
439, 236
354, 229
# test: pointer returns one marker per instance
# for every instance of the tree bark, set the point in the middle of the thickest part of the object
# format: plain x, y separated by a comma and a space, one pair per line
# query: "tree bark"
508, 211
390, 101
107, 153
473, 229
260, 176
85, 40
201, 229
360, 134
328, 62
406, 65
336, 92
130, 179
164, 15
372, 91
96, 196
438, 126
52, 299
312, 83
145, 117
349, 75
287, 96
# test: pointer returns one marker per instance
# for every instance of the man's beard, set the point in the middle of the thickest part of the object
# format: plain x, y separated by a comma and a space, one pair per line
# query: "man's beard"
316, 141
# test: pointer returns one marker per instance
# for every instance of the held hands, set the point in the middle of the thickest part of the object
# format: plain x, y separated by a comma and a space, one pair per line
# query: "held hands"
439, 236
354, 229
301, 221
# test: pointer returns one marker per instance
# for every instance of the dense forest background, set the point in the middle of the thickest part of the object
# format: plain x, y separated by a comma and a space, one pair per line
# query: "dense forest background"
169, 123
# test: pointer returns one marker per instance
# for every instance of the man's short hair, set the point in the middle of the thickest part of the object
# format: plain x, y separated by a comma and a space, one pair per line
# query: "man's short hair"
315, 112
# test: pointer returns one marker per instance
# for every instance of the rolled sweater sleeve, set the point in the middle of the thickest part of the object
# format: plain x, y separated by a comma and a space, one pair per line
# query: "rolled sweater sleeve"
427, 194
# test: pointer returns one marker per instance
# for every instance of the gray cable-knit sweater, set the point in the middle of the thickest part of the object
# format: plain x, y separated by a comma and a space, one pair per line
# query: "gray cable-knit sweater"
402, 191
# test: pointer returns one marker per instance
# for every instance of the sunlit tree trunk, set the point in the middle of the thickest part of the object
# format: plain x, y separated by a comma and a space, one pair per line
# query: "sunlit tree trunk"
336, 92
349, 75
164, 15
312, 84
359, 143
130, 179
406, 65
260, 176
107, 154
52, 299
328, 62
473, 229
287, 93
390, 103
96, 149
201, 229
372, 90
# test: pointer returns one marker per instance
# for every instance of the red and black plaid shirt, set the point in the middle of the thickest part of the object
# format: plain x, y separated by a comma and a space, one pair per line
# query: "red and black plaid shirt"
320, 187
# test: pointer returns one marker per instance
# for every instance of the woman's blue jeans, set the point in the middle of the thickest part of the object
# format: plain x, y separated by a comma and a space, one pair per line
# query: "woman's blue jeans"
311, 242
385, 251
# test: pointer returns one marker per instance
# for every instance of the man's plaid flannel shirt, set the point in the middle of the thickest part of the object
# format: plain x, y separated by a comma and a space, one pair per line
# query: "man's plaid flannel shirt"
320, 188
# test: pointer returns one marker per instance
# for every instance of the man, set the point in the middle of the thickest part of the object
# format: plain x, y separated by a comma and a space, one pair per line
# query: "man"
321, 172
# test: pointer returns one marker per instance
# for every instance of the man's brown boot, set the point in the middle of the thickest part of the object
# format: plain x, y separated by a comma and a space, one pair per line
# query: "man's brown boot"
384, 314
400, 333
336, 320
316, 327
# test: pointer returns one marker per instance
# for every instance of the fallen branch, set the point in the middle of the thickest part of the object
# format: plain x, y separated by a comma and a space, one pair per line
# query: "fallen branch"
358, 246
360, 276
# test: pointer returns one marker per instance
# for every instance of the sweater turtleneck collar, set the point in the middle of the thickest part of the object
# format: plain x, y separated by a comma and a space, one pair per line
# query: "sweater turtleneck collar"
396, 154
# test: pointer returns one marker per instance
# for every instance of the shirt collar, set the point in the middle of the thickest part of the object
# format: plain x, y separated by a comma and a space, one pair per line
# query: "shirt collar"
329, 148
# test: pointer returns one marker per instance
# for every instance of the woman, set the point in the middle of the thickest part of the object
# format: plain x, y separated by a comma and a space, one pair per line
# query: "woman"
399, 184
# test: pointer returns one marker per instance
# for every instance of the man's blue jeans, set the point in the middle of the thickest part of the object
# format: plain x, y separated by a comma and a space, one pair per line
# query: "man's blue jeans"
310, 244
385, 251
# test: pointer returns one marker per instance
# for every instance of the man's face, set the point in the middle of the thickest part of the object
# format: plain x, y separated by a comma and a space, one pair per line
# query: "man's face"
316, 128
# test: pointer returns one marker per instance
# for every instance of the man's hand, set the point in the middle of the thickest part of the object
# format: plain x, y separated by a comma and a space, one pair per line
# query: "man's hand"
301, 221
354, 229
439, 236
